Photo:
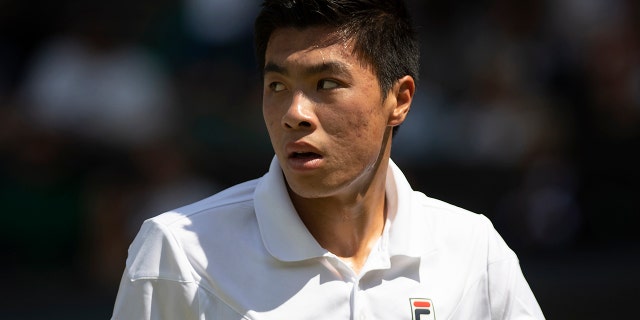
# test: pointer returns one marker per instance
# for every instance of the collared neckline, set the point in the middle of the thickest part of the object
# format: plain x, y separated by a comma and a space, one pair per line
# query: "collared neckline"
408, 229
286, 237
283, 233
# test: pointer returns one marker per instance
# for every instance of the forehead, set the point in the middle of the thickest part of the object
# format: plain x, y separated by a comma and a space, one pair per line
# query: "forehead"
291, 43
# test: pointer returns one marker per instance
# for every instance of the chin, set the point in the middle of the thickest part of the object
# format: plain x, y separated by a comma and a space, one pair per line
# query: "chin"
303, 190
313, 188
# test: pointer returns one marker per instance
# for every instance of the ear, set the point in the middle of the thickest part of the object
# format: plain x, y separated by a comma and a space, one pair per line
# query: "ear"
402, 96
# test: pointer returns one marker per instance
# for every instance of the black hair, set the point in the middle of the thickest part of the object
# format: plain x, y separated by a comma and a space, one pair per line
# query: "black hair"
382, 31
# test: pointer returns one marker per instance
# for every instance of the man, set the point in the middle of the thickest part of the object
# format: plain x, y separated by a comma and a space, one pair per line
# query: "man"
333, 230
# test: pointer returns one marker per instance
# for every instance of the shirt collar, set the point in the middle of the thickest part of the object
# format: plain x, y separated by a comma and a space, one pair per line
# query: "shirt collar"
407, 223
284, 234
287, 239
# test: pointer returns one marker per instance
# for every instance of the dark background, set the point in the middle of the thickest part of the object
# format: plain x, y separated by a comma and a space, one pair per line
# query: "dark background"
114, 111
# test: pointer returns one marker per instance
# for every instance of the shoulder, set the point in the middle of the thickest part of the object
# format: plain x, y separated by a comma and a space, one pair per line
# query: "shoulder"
168, 245
238, 196
211, 221
444, 213
427, 212
454, 227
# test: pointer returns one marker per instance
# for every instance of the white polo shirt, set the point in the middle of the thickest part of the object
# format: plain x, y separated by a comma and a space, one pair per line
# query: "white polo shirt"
245, 254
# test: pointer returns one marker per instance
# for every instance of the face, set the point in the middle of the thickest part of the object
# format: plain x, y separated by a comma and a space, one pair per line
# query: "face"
327, 120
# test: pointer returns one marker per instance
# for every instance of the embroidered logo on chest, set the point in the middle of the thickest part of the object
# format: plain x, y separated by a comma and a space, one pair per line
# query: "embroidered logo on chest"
422, 309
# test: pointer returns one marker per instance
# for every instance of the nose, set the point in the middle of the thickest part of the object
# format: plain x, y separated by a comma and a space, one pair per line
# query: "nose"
300, 113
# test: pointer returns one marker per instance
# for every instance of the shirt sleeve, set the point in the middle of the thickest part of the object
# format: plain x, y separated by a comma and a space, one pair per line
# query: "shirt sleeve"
509, 293
158, 281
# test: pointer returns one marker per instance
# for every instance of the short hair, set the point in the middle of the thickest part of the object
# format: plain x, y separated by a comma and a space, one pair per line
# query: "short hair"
382, 31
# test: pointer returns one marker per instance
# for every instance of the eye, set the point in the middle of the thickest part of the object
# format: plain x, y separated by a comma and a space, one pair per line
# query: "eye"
327, 84
277, 86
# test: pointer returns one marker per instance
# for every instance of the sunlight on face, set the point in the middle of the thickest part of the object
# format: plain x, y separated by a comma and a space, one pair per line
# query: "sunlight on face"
324, 112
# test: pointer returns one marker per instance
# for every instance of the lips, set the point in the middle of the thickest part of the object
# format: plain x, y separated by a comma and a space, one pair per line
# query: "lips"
301, 149
303, 156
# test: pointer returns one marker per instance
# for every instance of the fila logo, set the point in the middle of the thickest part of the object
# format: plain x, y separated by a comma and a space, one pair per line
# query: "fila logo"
422, 309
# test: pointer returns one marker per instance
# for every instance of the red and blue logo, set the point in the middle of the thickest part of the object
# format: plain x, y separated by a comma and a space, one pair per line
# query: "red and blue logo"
422, 309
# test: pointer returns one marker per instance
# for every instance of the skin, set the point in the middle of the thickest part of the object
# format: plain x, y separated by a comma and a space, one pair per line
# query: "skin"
331, 131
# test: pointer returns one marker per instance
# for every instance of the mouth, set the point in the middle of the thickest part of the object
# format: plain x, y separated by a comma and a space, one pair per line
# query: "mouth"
304, 161
304, 155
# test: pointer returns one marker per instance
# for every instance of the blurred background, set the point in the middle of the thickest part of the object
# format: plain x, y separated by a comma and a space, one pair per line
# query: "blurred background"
111, 112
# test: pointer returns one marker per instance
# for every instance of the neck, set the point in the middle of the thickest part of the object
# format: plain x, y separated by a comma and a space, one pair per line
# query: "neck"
349, 228
350, 223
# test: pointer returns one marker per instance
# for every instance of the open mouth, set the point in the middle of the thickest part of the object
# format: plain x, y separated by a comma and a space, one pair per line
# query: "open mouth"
305, 155
304, 160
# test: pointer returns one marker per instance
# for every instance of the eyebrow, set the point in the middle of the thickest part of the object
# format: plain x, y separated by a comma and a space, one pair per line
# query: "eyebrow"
329, 66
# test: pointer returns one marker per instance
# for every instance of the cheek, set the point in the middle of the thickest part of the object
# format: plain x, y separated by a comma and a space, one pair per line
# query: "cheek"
345, 125
270, 116
270, 122
359, 127
353, 130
